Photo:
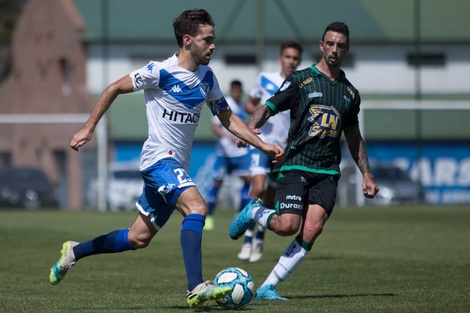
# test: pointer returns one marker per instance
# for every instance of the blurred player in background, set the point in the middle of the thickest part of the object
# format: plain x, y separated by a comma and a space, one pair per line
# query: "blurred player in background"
229, 158
175, 91
322, 104
274, 130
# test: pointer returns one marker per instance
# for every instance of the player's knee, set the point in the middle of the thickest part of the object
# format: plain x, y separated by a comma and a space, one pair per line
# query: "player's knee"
257, 192
312, 231
140, 241
288, 227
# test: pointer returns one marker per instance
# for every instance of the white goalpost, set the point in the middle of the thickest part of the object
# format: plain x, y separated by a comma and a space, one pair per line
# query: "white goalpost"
73, 118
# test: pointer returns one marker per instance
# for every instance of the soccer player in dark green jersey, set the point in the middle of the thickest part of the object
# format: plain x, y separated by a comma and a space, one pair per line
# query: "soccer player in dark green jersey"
323, 104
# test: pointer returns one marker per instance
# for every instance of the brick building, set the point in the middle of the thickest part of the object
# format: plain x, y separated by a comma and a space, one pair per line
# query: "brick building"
44, 93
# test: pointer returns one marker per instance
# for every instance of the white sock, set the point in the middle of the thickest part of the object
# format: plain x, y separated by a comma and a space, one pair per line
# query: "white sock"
292, 257
249, 233
262, 214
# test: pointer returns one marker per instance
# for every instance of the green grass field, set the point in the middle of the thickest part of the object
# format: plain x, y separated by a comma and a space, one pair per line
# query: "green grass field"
396, 259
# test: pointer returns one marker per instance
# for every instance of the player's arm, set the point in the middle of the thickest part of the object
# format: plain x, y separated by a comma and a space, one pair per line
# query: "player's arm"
260, 116
237, 127
121, 86
219, 132
358, 152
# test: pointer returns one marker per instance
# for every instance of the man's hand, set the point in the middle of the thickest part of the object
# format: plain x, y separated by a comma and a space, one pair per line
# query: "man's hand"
241, 143
274, 151
369, 188
81, 138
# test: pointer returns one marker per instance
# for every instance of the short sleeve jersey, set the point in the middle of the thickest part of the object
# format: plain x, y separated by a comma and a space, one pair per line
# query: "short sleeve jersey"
275, 129
319, 110
174, 98
224, 146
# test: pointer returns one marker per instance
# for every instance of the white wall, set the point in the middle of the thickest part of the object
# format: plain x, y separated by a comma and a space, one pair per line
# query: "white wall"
377, 69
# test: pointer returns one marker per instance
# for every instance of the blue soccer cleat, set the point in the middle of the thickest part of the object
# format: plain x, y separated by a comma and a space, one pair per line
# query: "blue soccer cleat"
267, 292
244, 219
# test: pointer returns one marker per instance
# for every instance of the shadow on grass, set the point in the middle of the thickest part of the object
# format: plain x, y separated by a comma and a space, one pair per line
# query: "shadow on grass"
178, 308
359, 295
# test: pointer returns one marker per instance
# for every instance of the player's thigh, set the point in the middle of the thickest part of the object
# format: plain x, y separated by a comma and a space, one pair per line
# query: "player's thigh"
165, 181
323, 191
141, 231
291, 193
258, 183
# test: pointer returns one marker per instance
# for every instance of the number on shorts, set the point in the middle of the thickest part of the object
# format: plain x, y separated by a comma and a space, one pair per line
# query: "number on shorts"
182, 176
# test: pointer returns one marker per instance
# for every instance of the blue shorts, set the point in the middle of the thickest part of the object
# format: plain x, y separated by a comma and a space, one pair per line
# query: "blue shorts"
164, 182
261, 164
227, 165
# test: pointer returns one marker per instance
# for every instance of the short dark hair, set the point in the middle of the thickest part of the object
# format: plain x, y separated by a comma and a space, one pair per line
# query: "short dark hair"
187, 23
236, 83
292, 44
338, 27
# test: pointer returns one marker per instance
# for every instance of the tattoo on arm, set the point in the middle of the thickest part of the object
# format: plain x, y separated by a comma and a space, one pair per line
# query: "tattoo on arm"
260, 116
357, 148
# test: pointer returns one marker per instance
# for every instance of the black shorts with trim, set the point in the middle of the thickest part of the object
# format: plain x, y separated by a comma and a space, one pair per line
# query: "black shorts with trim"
295, 189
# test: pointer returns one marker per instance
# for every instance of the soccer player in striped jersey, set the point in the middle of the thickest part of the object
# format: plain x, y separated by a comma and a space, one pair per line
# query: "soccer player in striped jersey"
274, 130
323, 104
175, 91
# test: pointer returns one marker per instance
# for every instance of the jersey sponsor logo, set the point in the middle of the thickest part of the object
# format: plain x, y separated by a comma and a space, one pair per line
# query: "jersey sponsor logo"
176, 89
348, 101
138, 80
316, 94
285, 85
305, 82
181, 117
294, 197
326, 121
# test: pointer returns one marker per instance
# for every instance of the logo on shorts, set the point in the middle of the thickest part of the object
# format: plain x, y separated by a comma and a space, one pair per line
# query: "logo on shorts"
294, 197
163, 190
296, 206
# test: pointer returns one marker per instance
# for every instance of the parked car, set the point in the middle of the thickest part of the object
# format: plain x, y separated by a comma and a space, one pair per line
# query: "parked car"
26, 187
396, 186
124, 187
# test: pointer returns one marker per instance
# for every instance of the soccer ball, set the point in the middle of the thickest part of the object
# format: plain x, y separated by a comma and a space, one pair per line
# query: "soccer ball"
243, 288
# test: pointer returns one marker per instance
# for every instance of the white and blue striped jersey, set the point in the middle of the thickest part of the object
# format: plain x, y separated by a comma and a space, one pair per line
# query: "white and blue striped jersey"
174, 98
276, 128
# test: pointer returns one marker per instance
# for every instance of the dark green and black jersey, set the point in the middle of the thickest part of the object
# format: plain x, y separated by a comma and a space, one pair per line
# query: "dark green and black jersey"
319, 109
